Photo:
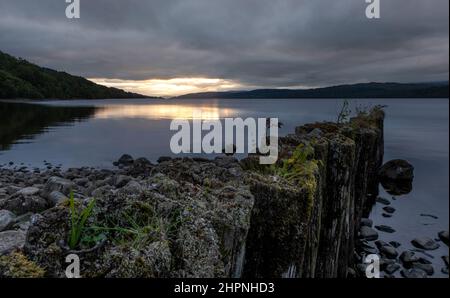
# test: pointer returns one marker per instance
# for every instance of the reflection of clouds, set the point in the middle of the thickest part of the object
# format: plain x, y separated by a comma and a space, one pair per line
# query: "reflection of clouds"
166, 111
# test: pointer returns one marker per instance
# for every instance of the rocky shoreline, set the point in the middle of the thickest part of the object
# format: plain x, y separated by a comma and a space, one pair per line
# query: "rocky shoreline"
184, 217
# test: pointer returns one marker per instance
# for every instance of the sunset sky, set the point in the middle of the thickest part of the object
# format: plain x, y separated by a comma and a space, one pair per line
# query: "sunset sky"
168, 48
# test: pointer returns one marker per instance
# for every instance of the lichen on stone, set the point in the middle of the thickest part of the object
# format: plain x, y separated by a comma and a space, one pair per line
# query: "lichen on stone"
16, 265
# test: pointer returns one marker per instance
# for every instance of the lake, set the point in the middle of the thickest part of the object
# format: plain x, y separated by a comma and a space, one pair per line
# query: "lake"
97, 132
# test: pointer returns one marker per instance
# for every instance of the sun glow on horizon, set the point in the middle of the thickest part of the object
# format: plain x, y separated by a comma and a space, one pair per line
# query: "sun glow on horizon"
164, 111
170, 87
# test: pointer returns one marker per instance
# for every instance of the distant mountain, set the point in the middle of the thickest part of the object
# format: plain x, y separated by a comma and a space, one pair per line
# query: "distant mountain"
21, 79
367, 90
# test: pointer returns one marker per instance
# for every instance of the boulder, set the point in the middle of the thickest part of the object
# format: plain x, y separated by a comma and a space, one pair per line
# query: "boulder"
19, 204
11, 240
397, 169
6, 219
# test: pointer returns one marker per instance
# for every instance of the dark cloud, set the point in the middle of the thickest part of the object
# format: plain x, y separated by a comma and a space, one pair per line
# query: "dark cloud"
255, 42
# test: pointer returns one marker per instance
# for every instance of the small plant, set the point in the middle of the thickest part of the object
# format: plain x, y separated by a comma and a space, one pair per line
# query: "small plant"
78, 220
344, 113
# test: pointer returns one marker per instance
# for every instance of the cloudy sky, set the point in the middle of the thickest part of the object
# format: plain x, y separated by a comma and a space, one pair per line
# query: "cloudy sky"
170, 47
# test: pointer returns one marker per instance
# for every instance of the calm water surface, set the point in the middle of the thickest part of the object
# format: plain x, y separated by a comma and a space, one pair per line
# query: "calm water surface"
95, 133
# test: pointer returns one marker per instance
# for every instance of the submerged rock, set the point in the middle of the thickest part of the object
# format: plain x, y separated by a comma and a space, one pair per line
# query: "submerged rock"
428, 268
383, 201
389, 209
384, 228
414, 273
425, 243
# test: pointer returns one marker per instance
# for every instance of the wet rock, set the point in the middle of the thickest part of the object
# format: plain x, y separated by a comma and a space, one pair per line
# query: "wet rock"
408, 258
389, 209
383, 201
414, 273
397, 169
380, 243
56, 183
11, 240
366, 222
444, 237
389, 251
425, 243
368, 233
384, 228
392, 268
397, 187
425, 267
6, 219
422, 260
429, 215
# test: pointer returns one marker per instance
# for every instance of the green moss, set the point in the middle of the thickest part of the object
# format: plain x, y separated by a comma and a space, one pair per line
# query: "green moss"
301, 168
16, 265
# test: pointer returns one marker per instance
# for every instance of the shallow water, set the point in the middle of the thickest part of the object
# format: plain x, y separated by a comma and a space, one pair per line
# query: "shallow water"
96, 133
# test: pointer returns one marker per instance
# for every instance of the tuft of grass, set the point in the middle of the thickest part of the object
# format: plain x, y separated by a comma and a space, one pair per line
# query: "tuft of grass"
78, 221
137, 226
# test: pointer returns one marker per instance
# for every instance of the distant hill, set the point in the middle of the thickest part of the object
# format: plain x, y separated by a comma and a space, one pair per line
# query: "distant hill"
368, 90
21, 79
